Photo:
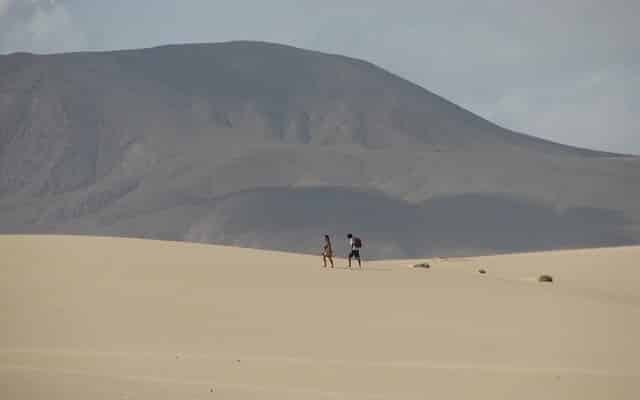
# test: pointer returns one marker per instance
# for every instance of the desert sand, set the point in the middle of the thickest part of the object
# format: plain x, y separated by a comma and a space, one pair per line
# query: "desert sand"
112, 318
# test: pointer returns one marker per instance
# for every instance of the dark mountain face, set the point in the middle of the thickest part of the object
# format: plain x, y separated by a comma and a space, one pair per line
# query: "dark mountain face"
273, 218
249, 143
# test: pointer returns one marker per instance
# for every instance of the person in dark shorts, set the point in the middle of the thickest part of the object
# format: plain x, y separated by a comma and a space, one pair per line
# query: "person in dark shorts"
355, 244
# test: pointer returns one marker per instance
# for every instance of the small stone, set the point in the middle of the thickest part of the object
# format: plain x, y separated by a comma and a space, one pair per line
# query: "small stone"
422, 265
545, 278
482, 271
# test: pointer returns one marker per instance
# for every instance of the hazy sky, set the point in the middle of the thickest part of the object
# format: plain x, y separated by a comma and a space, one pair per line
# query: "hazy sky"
565, 70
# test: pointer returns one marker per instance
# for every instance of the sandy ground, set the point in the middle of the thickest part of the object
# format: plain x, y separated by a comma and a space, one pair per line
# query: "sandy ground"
103, 318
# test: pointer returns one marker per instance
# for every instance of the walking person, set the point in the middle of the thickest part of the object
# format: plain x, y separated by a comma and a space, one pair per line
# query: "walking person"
327, 251
355, 244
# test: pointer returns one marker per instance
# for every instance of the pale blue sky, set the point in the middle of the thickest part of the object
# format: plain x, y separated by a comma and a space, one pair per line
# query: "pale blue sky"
564, 70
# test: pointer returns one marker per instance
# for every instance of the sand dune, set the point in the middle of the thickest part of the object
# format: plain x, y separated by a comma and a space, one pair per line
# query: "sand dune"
134, 319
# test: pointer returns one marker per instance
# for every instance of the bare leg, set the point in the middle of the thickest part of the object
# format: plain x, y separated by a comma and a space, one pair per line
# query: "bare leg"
324, 260
350, 260
331, 260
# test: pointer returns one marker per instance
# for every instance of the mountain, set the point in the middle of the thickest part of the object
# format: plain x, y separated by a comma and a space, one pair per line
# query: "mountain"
270, 146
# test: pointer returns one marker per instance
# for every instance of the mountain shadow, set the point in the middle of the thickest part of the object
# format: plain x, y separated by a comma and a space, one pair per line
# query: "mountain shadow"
296, 219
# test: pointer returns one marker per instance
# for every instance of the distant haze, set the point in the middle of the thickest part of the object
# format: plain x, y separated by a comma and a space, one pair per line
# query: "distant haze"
565, 70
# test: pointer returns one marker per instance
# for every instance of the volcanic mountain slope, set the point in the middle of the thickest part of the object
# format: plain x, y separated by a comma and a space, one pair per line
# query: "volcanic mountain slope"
270, 146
